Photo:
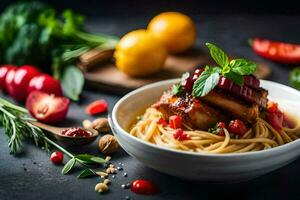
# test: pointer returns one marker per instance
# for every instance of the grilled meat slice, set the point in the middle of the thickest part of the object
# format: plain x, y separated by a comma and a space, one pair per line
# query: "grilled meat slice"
194, 113
250, 95
232, 106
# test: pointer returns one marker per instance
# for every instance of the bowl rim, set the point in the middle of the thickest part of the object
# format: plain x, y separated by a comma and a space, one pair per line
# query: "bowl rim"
116, 125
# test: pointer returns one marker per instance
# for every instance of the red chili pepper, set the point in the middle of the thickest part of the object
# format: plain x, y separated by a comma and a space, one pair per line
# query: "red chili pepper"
180, 135
175, 121
97, 107
286, 53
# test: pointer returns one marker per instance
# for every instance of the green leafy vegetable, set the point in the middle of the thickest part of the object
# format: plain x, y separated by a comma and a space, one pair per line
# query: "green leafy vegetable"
295, 78
68, 166
33, 33
177, 89
242, 66
14, 120
238, 79
72, 82
205, 83
218, 55
86, 173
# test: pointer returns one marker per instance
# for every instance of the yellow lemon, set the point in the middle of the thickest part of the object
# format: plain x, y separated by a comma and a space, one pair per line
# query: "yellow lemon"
177, 30
140, 53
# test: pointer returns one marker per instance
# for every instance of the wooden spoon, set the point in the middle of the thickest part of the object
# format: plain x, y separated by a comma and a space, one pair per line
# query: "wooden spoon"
67, 140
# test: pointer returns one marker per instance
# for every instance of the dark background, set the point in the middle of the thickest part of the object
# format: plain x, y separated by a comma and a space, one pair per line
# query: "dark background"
107, 8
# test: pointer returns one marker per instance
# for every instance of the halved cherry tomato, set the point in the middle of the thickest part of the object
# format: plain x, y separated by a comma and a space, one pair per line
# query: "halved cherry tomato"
4, 69
281, 52
17, 81
96, 107
47, 108
237, 127
175, 121
45, 83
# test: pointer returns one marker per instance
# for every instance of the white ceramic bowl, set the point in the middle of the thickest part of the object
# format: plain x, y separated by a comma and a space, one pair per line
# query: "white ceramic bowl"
200, 166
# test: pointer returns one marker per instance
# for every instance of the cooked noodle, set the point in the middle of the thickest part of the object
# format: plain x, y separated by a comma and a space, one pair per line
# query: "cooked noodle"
261, 136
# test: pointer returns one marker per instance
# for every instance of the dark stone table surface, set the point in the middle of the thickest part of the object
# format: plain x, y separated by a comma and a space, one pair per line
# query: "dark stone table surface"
30, 175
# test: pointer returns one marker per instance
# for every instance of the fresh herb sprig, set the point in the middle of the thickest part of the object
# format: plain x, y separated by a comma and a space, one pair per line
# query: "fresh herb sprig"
233, 70
16, 123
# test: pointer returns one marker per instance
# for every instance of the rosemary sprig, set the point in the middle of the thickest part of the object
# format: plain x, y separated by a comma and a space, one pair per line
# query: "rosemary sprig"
16, 123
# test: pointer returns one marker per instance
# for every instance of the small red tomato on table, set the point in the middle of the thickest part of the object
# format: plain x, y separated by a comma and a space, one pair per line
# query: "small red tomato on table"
57, 157
45, 83
47, 108
4, 69
17, 81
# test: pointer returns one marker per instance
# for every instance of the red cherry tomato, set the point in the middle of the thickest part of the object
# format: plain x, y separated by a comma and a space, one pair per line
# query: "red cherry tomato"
4, 69
175, 121
277, 51
47, 108
237, 127
96, 107
17, 81
275, 117
45, 83
144, 187
57, 157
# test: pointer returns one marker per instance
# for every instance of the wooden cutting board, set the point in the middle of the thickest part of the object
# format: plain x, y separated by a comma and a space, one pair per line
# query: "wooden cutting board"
107, 77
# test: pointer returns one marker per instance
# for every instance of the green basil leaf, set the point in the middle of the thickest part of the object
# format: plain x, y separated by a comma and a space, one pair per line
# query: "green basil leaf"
68, 166
242, 66
294, 78
205, 83
98, 160
72, 82
87, 158
86, 173
236, 78
218, 55
177, 89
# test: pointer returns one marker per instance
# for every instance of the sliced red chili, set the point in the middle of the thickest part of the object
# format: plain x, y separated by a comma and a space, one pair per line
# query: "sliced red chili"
97, 107
281, 52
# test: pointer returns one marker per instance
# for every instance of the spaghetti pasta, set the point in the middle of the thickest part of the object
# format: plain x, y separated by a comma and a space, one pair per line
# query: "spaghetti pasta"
259, 137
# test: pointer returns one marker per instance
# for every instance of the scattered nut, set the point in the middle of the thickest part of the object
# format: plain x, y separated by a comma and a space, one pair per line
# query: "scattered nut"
87, 124
106, 181
110, 170
101, 187
108, 144
107, 158
112, 166
102, 174
101, 125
